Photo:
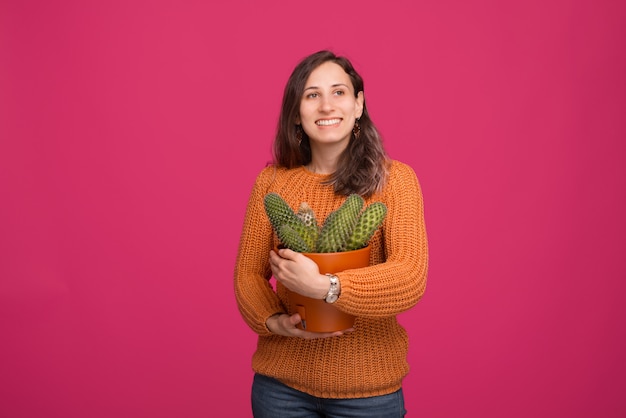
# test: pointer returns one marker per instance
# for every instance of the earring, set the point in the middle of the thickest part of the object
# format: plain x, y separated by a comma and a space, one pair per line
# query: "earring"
299, 133
357, 129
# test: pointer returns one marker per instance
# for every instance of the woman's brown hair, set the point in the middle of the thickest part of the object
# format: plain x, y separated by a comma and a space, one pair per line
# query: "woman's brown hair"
362, 167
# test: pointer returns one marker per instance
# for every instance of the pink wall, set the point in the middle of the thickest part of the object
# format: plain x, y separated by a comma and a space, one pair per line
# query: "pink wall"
131, 133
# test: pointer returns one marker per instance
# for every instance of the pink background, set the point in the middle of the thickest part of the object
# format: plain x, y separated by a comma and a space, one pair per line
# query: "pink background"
130, 136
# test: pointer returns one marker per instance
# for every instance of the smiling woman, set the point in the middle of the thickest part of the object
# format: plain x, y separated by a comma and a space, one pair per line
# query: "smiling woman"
324, 88
329, 111
326, 149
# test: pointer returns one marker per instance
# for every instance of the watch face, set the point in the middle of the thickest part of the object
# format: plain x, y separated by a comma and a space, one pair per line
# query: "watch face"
332, 298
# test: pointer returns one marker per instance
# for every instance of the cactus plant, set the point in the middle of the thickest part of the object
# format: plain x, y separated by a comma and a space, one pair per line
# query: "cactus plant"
339, 225
280, 214
368, 222
345, 229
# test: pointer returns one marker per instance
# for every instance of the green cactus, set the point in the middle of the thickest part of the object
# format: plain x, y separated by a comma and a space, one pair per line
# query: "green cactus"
307, 216
291, 239
369, 221
339, 225
345, 229
280, 213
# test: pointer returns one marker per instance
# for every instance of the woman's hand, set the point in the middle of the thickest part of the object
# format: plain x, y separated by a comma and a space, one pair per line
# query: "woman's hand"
299, 273
285, 325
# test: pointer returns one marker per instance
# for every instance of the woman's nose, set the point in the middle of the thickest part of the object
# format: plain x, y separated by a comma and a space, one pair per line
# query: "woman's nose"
325, 104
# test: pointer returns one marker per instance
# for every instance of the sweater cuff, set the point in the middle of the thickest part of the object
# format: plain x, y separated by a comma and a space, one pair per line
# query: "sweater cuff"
345, 287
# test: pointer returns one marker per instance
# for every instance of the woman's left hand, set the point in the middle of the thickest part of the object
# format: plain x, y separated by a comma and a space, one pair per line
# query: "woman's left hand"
285, 325
298, 273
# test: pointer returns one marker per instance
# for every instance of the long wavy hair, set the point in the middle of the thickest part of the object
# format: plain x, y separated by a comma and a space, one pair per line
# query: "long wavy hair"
363, 166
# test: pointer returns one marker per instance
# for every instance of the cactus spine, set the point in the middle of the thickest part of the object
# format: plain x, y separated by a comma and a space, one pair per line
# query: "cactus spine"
345, 229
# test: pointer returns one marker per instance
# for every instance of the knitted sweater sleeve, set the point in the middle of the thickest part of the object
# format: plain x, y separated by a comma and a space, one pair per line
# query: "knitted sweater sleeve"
399, 280
255, 296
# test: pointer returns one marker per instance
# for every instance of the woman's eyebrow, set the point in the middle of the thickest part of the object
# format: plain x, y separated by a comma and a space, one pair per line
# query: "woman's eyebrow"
334, 85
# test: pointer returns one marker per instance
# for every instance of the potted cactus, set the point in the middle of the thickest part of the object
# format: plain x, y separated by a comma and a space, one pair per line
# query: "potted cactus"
340, 243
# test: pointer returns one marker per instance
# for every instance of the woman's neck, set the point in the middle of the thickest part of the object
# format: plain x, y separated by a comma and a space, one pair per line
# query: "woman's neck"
322, 166
324, 160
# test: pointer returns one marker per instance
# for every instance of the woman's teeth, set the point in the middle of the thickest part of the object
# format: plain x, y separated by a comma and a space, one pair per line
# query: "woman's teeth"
327, 122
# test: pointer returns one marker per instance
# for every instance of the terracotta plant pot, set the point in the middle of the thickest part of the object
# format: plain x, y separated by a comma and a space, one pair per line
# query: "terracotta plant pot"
317, 315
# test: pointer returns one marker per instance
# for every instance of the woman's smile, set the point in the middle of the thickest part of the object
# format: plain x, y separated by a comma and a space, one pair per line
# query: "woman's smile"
329, 107
327, 122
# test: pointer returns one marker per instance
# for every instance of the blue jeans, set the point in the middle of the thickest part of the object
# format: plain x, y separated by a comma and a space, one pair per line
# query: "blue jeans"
273, 399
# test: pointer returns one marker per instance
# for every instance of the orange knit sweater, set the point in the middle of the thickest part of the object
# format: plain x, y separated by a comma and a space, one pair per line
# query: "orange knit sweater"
371, 360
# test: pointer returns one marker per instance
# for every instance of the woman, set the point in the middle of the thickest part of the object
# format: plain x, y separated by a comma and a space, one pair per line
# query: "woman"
327, 148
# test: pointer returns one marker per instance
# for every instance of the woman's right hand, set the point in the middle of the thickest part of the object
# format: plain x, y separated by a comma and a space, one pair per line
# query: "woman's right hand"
285, 325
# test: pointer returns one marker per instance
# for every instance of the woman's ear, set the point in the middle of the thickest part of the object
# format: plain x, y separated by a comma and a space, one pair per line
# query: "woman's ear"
358, 110
297, 121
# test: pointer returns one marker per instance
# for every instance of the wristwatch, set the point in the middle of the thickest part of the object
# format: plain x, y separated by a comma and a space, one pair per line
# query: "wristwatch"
333, 292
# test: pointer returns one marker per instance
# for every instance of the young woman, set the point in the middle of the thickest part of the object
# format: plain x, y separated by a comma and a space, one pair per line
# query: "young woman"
327, 148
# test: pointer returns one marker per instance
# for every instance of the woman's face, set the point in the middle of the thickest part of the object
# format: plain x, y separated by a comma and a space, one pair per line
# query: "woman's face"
328, 107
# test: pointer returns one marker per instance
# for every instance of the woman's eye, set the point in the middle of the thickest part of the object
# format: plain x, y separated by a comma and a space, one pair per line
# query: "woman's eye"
312, 95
